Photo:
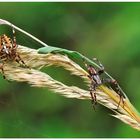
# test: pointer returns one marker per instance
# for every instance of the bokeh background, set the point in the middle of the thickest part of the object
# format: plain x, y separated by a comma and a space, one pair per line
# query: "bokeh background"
108, 31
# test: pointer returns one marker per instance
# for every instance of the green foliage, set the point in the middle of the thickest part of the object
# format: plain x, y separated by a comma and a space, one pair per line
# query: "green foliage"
108, 31
51, 49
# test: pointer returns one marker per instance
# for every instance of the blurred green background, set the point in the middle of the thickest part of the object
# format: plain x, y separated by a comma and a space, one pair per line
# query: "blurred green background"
108, 31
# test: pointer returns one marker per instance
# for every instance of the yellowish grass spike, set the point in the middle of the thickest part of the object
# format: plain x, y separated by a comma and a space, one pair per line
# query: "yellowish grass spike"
126, 112
105, 96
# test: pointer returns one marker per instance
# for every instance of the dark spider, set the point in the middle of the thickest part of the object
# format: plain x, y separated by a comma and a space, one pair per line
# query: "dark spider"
96, 80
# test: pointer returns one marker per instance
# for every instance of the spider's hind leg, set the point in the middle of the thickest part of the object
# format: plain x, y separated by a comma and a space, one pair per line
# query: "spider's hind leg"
2, 70
19, 60
114, 85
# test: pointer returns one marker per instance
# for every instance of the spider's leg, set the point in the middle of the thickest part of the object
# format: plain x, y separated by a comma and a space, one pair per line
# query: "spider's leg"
18, 59
101, 69
14, 35
14, 42
121, 100
95, 99
93, 94
92, 97
114, 85
2, 70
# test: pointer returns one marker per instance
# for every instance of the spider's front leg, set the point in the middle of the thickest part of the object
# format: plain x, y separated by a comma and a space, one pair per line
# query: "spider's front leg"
14, 38
101, 69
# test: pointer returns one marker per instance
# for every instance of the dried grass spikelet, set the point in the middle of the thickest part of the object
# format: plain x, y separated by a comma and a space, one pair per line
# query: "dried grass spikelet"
35, 77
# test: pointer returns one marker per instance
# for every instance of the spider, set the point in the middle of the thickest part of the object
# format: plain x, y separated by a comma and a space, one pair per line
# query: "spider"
8, 51
96, 80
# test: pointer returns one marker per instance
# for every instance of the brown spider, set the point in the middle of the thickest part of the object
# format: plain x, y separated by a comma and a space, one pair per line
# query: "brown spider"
96, 80
8, 51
